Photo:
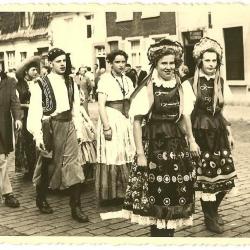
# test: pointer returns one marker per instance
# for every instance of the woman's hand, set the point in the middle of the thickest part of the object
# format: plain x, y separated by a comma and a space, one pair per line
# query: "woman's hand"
194, 149
107, 134
231, 142
141, 160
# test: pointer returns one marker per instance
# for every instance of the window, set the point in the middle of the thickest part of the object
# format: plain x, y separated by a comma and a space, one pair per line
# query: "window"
89, 31
11, 59
113, 45
25, 18
89, 26
135, 52
150, 14
157, 39
1, 61
88, 17
23, 55
124, 16
234, 53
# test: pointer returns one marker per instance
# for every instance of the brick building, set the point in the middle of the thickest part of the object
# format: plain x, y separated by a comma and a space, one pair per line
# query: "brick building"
135, 31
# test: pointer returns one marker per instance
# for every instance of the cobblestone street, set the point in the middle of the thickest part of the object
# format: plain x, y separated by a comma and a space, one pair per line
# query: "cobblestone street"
27, 220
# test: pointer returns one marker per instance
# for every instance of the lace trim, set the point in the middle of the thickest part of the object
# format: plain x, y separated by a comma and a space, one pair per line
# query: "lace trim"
146, 220
212, 197
158, 81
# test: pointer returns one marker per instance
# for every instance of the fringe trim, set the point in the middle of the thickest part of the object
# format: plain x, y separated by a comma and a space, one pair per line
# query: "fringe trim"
147, 220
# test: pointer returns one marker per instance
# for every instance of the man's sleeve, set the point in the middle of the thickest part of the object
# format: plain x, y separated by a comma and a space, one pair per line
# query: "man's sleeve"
15, 106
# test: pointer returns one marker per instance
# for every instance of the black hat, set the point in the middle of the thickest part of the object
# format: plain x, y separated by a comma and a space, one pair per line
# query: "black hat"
55, 52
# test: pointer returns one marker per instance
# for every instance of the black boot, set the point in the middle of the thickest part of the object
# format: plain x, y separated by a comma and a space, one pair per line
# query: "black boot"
210, 217
75, 204
42, 189
155, 232
219, 198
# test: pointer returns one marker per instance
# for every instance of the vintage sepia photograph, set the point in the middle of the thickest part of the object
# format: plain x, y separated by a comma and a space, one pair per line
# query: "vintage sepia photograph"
125, 121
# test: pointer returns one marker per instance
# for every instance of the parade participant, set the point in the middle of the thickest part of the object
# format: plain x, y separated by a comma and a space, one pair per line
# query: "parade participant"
54, 119
84, 85
160, 190
9, 106
115, 143
25, 151
215, 170
87, 147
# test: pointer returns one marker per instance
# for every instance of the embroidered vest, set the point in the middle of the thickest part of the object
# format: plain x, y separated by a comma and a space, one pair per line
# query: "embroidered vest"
166, 104
204, 100
48, 96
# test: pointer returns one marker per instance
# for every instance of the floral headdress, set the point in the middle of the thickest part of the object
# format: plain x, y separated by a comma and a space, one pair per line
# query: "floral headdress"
156, 50
208, 44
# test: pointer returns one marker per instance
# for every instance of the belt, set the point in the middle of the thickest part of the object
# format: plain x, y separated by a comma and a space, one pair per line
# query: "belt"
65, 116
120, 105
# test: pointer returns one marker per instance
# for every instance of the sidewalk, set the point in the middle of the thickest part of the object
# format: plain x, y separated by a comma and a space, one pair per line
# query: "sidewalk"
27, 220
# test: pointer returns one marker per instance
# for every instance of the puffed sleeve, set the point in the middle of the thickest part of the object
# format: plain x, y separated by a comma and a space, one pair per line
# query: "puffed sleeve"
141, 104
228, 96
188, 98
103, 86
35, 113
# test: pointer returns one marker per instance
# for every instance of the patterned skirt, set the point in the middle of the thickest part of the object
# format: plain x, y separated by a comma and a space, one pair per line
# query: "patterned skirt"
163, 193
215, 167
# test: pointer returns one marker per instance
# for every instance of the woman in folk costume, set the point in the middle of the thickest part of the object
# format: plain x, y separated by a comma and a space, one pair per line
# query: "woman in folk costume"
87, 153
160, 191
115, 142
215, 170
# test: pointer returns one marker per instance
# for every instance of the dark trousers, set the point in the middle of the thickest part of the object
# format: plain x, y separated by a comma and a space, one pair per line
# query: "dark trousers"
42, 187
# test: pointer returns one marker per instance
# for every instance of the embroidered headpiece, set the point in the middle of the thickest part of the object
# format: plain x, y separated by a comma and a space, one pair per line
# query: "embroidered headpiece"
204, 45
54, 53
208, 44
157, 50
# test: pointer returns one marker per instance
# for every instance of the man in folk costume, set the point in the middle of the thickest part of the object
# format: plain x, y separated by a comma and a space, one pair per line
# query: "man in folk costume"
9, 106
55, 101
215, 169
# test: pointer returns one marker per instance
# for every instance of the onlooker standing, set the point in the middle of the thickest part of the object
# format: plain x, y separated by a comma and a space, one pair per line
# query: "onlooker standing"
141, 74
132, 74
184, 72
84, 85
25, 152
9, 105
91, 77
45, 70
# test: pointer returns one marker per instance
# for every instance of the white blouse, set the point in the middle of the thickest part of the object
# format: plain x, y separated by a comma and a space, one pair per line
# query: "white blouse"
142, 103
35, 114
109, 85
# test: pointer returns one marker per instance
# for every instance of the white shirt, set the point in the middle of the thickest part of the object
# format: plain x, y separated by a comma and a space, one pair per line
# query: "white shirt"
35, 114
109, 85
